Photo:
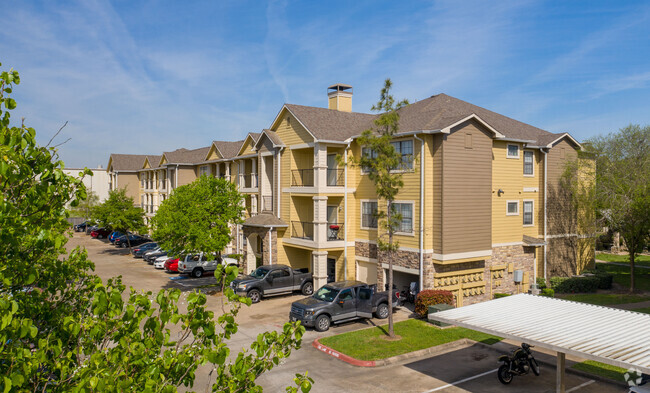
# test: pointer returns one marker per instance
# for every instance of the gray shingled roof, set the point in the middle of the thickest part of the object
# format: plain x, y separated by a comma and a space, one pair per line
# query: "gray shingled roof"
433, 113
185, 156
255, 136
153, 160
228, 149
265, 220
127, 162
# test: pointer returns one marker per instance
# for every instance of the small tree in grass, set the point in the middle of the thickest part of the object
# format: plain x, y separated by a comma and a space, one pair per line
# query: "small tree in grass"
120, 214
198, 216
382, 163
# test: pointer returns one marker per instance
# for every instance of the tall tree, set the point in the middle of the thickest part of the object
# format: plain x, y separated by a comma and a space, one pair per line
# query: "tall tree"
85, 206
119, 213
383, 165
198, 216
64, 330
623, 186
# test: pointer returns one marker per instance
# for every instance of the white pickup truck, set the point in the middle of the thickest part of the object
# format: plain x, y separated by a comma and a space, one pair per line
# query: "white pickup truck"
199, 263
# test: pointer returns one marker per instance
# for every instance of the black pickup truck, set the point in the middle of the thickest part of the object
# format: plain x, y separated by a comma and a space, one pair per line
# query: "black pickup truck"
341, 302
270, 280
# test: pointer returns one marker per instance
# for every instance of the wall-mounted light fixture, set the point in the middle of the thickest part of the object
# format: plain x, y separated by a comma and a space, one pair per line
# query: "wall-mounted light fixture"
500, 192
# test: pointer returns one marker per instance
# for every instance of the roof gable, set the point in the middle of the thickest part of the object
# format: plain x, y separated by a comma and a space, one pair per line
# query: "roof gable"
126, 162
213, 153
271, 136
248, 145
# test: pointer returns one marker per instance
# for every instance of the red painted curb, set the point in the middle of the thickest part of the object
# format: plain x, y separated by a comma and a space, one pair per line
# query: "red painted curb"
342, 356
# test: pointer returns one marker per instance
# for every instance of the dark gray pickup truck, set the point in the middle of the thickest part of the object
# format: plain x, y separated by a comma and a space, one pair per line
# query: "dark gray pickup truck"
270, 280
340, 302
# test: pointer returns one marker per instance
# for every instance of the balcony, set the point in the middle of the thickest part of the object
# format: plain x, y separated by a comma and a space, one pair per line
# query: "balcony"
248, 180
302, 177
302, 230
334, 231
335, 177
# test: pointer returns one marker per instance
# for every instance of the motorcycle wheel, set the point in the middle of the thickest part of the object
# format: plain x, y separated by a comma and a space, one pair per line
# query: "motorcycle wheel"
504, 374
534, 366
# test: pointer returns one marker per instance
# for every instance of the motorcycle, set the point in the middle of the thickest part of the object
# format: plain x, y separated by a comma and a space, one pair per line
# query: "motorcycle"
519, 362
410, 293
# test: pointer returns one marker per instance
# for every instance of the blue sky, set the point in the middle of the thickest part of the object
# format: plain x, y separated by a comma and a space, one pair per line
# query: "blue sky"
153, 76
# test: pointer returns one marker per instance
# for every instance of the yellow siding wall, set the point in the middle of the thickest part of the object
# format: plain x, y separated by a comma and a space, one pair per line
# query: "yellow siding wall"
131, 183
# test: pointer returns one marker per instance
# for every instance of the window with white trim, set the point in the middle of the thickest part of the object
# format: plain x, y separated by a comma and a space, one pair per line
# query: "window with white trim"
204, 170
512, 208
528, 213
405, 149
368, 215
528, 163
513, 151
406, 210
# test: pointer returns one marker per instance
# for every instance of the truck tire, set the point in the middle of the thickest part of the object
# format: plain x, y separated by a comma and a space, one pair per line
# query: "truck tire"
382, 311
323, 323
307, 289
254, 295
197, 272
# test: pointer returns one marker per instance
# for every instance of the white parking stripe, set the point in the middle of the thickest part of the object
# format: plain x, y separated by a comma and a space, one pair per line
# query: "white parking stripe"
461, 381
580, 386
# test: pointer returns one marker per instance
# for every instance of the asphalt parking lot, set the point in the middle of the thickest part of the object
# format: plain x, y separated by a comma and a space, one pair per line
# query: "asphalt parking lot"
468, 369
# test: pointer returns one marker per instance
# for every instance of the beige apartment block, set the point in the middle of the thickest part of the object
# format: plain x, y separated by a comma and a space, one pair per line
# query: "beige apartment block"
480, 204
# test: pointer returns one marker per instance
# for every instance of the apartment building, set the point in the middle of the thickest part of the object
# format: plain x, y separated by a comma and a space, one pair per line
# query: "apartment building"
475, 202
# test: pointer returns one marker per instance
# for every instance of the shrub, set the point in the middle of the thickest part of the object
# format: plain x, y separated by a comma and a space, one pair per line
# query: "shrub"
604, 280
548, 292
541, 283
498, 295
575, 284
429, 297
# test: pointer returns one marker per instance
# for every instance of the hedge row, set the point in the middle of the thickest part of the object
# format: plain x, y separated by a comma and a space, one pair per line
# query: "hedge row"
430, 297
582, 283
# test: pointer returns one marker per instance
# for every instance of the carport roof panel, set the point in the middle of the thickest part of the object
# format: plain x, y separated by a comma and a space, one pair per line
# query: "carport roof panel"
617, 337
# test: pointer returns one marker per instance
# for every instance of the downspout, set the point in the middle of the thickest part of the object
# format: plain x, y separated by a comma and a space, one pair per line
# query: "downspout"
545, 217
345, 211
270, 247
421, 210
279, 157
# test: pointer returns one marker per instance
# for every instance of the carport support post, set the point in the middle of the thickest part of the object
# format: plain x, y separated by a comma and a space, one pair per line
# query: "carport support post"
559, 372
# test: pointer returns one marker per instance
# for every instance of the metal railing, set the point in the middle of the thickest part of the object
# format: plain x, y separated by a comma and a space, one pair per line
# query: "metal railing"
335, 177
302, 230
335, 231
267, 203
302, 177
248, 180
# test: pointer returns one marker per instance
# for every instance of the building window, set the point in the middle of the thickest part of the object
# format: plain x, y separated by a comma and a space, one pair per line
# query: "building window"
405, 149
468, 141
528, 213
528, 163
513, 208
204, 170
406, 210
368, 215
513, 151
367, 153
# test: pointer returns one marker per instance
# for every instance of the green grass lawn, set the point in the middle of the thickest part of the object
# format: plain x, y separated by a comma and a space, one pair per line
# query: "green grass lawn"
645, 310
622, 275
641, 260
369, 344
604, 299
604, 370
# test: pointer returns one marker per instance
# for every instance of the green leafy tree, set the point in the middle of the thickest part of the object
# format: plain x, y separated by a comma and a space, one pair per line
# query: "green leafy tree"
198, 216
119, 213
85, 206
383, 163
64, 330
622, 190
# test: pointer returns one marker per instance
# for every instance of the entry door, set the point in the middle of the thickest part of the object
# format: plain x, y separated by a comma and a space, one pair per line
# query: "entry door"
331, 269
332, 173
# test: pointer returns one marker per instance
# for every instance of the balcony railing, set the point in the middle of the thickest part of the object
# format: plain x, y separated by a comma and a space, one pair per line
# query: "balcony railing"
335, 231
335, 177
302, 177
267, 203
302, 230
248, 180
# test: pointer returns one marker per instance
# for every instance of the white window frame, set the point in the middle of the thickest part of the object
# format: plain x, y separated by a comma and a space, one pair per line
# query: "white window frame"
361, 213
204, 170
512, 214
406, 169
533, 163
508, 151
412, 203
532, 213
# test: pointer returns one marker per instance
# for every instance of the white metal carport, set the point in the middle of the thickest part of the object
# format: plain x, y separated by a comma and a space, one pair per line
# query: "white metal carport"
608, 335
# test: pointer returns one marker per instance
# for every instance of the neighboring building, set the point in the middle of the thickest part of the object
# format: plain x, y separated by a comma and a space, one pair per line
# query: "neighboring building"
122, 170
474, 203
97, 183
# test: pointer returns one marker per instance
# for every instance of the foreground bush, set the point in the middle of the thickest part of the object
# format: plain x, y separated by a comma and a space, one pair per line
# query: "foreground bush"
575, 284
430, 297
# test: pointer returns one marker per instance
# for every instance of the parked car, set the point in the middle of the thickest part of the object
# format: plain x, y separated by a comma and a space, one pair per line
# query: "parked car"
151, 256
134, 240
171, 265
80, 227
140, 250
159, 263
114, 235
200, 263
100, 233
270, 280
341, 302
91, 228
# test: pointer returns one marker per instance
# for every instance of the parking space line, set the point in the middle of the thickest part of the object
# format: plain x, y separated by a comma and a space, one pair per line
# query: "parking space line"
461, 381
573, 389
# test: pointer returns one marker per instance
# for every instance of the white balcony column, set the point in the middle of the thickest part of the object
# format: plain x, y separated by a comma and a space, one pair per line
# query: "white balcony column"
319, 268
227, 171
218, 174
254, 183
320, 165
254, 209
320, 219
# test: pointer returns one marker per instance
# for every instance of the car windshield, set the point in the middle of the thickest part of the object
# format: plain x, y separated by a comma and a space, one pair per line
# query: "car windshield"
260, 272
326, 294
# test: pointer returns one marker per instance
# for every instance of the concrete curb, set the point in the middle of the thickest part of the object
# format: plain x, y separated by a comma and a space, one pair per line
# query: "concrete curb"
348, 359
